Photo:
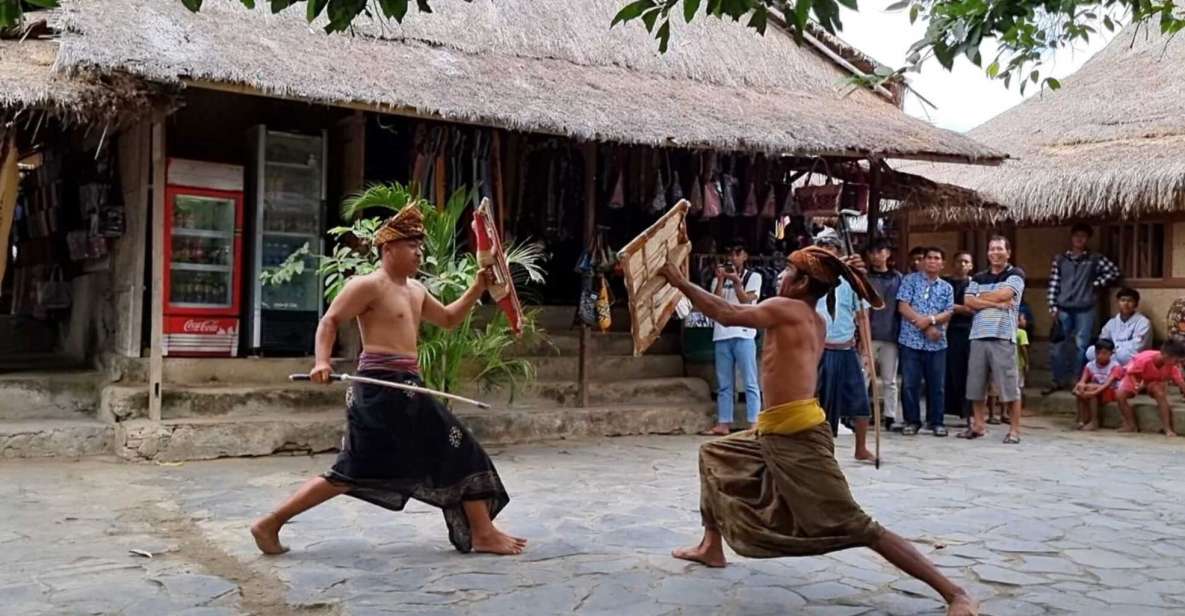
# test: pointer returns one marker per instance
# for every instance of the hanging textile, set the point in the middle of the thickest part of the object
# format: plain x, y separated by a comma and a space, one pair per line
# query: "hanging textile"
728, 189
769, 209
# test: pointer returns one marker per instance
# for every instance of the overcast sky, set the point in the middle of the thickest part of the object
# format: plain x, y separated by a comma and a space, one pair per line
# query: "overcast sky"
964, 97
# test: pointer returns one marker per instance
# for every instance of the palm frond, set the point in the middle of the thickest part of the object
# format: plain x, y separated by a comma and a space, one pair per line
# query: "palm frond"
391, 197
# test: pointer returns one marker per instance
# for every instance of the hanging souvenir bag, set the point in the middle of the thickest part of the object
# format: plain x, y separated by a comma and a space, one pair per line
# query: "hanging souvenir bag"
658, 204
728, 190
819, 199
54, 292
676, 187
586, 310
604, 306
769, 210
751, 200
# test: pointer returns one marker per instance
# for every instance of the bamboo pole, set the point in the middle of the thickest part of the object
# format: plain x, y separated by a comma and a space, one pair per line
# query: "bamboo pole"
590, 231
156, 357
9, 179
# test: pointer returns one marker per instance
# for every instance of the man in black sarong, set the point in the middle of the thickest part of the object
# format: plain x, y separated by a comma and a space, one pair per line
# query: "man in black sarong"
400, 445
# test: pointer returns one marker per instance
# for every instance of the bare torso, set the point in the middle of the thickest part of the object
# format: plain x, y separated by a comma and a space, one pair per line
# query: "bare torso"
390, 322
790, 363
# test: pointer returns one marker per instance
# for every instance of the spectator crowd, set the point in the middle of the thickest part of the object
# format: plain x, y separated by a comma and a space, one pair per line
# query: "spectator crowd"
951, 341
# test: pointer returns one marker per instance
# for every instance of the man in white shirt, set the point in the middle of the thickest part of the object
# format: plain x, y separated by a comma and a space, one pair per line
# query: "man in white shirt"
736, 347
1129, 330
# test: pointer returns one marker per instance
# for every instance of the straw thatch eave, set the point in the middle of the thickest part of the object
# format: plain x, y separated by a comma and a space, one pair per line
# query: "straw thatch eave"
1110, 144
29, 83
535, 65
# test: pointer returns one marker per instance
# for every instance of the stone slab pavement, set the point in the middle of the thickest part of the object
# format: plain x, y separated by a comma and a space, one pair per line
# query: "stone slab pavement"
1064, 523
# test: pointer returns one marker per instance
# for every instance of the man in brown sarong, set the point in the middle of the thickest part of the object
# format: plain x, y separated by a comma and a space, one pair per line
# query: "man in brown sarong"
400, 446
777, 490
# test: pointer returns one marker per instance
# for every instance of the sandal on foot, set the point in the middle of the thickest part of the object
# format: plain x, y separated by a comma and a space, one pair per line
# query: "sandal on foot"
715, 432
1011, 440
970, 434
993, 420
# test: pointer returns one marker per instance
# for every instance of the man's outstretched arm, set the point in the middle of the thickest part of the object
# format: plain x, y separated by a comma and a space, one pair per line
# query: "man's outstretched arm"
759, 316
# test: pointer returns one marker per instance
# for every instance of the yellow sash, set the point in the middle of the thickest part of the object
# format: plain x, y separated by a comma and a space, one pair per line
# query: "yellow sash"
791, 417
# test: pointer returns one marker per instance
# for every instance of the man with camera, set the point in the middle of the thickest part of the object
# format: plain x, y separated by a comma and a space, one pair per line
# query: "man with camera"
736, 347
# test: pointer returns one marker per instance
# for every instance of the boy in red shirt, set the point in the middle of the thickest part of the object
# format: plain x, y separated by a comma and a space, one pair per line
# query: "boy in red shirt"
1098, 385
1150, 371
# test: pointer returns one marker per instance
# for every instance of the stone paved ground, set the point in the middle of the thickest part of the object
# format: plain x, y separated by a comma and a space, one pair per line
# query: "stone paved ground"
1065, 523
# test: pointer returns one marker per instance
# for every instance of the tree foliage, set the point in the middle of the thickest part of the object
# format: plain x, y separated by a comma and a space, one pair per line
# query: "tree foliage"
474, 351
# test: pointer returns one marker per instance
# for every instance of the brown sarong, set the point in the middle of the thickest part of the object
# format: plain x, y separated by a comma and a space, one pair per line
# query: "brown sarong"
774, 495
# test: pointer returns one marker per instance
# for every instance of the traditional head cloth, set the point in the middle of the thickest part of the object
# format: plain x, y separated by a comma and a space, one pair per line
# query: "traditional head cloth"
408, 224
827, 268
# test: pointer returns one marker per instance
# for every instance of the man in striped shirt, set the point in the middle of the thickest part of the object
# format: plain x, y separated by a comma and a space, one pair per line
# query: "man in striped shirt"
1076, 278
994, 294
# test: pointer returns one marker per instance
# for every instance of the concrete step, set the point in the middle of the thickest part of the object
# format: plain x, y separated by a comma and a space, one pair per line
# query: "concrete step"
206, 438
66, 438
565, 342
123, 402
1064, 404
49, 395
220, 370
609, 367
624, 390
515, 425
217, 437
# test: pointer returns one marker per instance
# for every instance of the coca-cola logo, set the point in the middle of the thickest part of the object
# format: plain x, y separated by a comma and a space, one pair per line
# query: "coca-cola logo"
194, 326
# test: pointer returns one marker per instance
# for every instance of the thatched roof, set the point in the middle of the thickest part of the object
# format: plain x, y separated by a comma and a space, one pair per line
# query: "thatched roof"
549, 66
1110, 143
28, 81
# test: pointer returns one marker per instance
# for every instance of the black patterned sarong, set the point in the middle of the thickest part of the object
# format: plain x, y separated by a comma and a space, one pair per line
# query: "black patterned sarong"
401, 445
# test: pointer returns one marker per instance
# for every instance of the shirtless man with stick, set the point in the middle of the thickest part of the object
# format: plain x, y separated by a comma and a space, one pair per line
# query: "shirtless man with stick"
400, 445
777, 490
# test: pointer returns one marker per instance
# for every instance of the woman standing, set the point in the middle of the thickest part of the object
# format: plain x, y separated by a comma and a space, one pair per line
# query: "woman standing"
958, 335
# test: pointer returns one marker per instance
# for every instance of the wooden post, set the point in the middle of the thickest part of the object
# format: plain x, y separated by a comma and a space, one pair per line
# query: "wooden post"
10, 177
590, 232
874, 200
128, 255
156, 361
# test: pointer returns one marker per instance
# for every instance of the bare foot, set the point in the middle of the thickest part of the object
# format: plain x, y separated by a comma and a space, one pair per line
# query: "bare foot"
963, 605
1126, 429
1170, 433
717, 430
1090, 427
865, 456
266, 532
495, 541
702, 555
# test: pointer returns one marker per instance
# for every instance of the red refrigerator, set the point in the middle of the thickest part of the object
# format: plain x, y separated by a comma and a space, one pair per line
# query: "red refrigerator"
203, 259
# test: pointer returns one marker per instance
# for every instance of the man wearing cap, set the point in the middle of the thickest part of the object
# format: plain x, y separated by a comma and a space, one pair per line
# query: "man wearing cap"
777, 490
400, 445
842, 390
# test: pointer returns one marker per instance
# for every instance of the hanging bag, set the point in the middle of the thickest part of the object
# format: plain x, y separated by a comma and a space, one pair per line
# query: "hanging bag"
586, 310
604, 306
822, 199
769, 210
711, 191
676, 187
728, 190
659, 203
54, 292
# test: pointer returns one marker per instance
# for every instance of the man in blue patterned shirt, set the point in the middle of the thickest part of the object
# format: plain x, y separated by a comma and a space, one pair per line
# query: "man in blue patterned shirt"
926, 303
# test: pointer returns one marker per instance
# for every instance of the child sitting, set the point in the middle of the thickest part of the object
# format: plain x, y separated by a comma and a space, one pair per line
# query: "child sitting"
1098, 385
1150, 371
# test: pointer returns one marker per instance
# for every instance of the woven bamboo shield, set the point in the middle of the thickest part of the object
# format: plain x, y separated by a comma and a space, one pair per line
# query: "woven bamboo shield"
651, 300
